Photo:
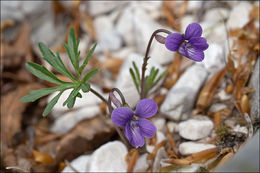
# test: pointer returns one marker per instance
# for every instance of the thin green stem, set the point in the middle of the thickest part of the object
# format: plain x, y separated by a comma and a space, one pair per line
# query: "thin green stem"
98, 95
142, 94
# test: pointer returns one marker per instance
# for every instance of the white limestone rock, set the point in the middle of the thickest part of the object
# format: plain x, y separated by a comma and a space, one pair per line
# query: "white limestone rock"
222, 95
84, 108
110, 157
194, 129
124, 80
100, 7
214, 58
217, 107
173, 127
187, 148
161, 153
254, 97
141, 164
241, 129
125, 26
182, 95
136, 26
88, 99
80, 164
159, 138
16, 10
186, 20
194, 6
108, 37
159, 123
68, 120
239, 15
216, 15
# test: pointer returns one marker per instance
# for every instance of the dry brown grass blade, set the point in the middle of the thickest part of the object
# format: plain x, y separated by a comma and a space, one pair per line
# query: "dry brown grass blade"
18, 51
211, 140
156, 148
199, 157
173, 71
42, 157
88, 21
57, 7
111, 63
217, 120
245, 106
12, 109
6, 23
207, 93
170, 138
167, 12
151, 156
132, 161
159, 99
173, 12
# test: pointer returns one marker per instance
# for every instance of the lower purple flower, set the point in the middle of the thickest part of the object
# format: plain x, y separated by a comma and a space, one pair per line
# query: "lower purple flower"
136, 129
190, 44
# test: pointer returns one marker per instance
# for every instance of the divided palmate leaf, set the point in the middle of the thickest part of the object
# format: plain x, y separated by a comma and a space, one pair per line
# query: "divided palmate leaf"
51, 104
90, 75
55, 61
42, 73
87, 58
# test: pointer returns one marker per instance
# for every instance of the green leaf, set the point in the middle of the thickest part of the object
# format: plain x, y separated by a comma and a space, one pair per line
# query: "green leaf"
71, 56
160, 77
73, 94
72, 50
51, 104
71, 102
87, 58
65, 70
90, 75
137, 72
134, 79
36, 94
85, 87
42, 73
54, 61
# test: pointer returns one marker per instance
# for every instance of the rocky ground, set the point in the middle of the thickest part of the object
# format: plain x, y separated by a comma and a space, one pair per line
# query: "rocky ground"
208, 110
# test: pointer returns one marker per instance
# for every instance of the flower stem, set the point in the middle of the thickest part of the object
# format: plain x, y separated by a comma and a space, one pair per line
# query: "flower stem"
98, 95
142, 94
110, 110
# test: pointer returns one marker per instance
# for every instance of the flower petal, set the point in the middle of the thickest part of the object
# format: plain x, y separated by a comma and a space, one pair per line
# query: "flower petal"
173, 41
191, 52
133, 134
193, 30
146, 108
121, 115
199, 43
147, 128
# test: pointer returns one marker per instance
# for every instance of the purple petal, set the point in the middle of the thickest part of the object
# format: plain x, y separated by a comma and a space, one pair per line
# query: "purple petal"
191, 52
173, 41
199, 43
146, 108
133, 134
147, 128
193, 30
120, 116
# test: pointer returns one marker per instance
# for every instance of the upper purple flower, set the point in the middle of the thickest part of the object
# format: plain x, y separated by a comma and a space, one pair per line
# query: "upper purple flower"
136, 129
190, 44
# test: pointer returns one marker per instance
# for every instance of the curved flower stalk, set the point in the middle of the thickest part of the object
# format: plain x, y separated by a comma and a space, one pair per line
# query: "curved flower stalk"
134, 124
190, 44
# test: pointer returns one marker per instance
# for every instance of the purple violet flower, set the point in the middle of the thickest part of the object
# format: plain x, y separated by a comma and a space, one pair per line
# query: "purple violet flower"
136, 129
190, 44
